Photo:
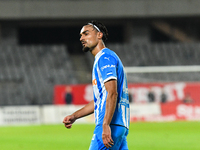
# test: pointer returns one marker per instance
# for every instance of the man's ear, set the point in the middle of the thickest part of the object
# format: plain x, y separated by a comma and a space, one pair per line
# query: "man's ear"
100, 35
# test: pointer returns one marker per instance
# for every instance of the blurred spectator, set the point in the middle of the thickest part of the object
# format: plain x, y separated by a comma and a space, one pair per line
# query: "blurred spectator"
130, 97
68, 95
163, 97
151, 95
187, 98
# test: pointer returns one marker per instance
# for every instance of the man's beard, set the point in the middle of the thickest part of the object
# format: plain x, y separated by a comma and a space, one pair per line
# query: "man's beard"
86, 49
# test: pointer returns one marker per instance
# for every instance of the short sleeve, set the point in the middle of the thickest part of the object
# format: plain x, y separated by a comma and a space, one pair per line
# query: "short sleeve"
107, 66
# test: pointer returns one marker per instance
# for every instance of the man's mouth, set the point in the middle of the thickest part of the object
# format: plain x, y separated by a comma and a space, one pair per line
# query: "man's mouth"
83, 43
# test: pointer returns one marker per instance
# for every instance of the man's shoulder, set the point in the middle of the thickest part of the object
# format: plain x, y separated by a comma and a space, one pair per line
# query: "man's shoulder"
108, 53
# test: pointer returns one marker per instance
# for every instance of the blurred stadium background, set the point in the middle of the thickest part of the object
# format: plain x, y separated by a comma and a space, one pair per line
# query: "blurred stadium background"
40, 55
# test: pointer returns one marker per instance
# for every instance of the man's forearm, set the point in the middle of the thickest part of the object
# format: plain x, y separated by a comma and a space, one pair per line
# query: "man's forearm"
85, 111
111, 87
110, 108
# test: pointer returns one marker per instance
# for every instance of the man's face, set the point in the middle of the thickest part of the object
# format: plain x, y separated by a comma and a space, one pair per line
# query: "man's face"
88, 38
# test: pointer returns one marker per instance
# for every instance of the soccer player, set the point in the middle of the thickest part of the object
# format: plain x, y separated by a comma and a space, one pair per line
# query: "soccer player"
111, 103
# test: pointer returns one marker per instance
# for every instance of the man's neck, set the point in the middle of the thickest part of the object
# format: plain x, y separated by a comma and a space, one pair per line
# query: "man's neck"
97, 49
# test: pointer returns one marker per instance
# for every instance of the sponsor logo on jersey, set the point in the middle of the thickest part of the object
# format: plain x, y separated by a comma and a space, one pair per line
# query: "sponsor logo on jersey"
107, 66
94, 82
107, 58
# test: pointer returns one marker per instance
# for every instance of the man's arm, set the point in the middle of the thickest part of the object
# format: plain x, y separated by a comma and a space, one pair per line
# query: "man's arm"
111, 87
85, 111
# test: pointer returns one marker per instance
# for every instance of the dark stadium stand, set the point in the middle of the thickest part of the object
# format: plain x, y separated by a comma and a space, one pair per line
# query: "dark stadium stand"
28, 73
164, 54
158, 54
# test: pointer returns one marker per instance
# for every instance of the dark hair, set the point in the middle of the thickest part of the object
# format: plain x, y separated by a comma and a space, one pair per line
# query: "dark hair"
102, 28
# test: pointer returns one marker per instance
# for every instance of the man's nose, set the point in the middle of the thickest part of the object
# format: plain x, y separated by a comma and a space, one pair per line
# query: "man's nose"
81, 38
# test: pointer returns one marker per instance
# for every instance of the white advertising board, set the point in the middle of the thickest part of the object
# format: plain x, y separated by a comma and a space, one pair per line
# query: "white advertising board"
14, 115
142, 110
54, 114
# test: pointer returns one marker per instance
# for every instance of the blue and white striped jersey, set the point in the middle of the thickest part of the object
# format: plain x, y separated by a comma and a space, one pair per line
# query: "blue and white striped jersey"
107, 65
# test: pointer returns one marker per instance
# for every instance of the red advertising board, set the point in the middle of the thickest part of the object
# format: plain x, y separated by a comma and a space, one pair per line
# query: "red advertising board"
175, 92
174, 109
183, 100
181, 111
81, 94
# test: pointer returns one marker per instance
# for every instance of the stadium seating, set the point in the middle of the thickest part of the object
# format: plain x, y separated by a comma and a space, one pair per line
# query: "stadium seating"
164, 54
158, 54
28, 73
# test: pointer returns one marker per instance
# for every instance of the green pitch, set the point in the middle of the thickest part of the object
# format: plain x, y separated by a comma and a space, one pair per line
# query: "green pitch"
142, 136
